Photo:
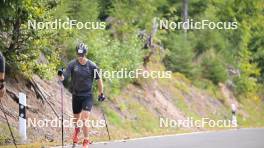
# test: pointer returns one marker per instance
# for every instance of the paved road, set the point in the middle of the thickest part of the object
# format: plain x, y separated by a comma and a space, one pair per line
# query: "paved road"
242, 138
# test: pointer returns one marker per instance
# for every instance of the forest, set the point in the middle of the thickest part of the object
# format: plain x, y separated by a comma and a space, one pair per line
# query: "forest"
207, 42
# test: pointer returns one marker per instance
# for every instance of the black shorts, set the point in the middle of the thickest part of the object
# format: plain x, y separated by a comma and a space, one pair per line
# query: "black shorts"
80, 103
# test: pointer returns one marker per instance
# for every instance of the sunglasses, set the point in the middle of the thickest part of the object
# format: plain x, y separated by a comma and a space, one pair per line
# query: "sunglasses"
80, 55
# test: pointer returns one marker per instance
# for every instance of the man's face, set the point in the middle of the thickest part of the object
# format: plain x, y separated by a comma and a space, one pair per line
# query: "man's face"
80, 57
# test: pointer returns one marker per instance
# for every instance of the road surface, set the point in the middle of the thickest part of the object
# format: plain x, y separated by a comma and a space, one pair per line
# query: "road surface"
242, 138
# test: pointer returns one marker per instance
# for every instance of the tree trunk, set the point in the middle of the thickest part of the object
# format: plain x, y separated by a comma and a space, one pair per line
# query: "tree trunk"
185, 15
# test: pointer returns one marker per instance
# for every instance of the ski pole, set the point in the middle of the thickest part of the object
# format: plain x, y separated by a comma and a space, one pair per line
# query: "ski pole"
101, 98
12, 135
106, 125
62, 111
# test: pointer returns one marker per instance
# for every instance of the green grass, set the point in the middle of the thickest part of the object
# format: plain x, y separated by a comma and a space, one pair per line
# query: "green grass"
113, 117
255, 114
5, 136
210, 88
32, 145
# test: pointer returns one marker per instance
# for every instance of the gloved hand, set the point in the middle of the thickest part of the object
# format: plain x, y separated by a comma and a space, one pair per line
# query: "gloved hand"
101, 97
60, 72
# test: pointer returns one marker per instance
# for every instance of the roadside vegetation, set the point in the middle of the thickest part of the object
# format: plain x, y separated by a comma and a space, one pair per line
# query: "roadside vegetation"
200, 59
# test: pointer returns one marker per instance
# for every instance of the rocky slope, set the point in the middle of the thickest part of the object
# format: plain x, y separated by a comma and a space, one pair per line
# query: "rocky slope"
135, 112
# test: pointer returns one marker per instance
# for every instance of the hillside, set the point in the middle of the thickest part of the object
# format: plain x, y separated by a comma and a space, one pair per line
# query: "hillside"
135, 112
213, 50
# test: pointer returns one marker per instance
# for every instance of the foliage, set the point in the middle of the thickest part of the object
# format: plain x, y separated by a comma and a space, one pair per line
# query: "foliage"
30, 51
5, 137
246, 41
108, 52
180, 56
213, 68
27, 50
225, 44
246, 83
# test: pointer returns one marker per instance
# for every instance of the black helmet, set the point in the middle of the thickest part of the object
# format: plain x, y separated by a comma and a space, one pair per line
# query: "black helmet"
81, 49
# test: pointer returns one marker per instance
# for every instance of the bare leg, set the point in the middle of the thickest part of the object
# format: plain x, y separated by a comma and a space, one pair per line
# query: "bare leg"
76, 119
85, 118
76, 129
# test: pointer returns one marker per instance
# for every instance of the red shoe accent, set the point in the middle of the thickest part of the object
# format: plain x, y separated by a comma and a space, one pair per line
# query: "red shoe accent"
86, 143
75, 137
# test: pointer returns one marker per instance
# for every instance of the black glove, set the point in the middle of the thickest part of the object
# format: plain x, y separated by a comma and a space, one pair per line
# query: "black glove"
101, 97
60, 71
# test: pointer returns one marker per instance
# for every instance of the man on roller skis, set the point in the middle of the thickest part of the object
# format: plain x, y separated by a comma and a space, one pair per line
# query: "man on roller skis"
82, 72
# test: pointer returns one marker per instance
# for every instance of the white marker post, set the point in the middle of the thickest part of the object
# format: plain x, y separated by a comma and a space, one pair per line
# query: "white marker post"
22, 117
234, 120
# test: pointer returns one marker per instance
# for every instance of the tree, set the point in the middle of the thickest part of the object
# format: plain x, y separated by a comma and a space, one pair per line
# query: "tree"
213, 68
180, 56
246, 83
249, 35
22, 45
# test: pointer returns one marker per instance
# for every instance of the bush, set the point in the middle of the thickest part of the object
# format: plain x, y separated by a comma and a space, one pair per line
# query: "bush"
113, 55
246, 83
213, 68
180, 55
